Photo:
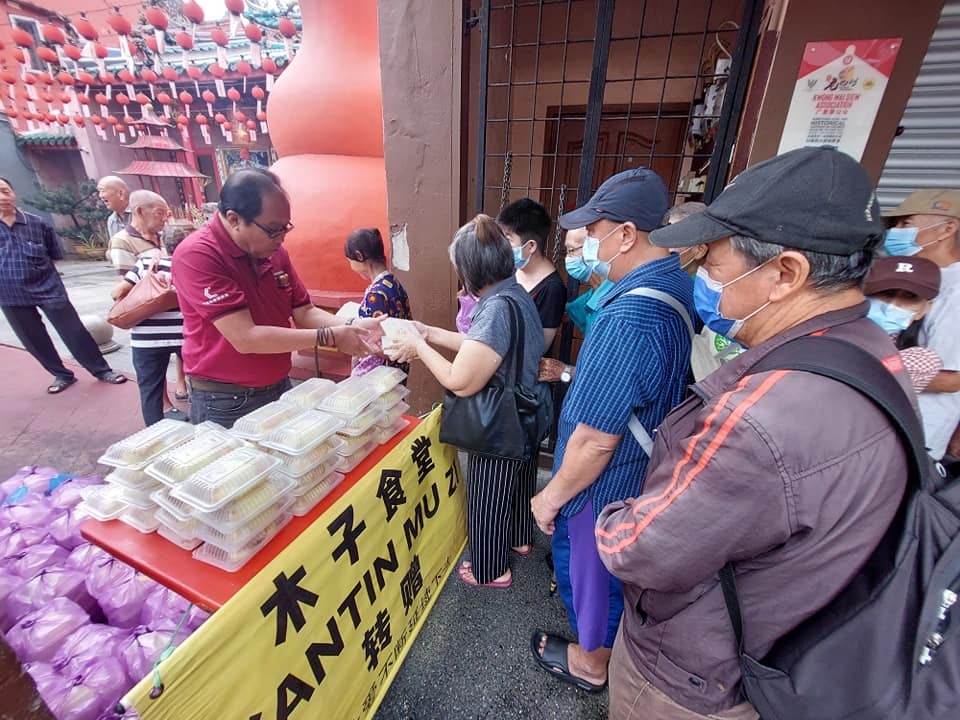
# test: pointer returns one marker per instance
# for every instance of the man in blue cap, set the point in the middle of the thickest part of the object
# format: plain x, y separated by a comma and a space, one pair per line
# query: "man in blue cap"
632, 369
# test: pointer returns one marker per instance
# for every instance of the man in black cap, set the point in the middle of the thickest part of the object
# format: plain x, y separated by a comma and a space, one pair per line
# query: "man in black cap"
631, 371
791, 476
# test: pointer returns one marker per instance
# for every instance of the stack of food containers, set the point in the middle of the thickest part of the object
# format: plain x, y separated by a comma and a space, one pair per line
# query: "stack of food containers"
385, 381
127, 494
352, 403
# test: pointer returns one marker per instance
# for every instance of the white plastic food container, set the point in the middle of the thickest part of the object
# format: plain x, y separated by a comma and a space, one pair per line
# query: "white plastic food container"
303, 432
391, 398
176, 465
137, 450
238, 512
350, 398
384, 378
258, 424
309, 393
309, 500
102, 502
143, 520
311, 479
296, 465
222, 480
362, 422
349, 462
233, 560
246, 532
130, 479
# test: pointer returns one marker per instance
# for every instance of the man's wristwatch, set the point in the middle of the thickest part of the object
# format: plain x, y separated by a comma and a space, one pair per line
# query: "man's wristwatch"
566, 376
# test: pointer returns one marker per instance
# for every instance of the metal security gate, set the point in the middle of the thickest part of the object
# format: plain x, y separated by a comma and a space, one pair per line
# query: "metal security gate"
574, 91
926, 151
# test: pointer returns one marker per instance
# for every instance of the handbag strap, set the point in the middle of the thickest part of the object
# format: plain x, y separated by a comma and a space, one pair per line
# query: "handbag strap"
516, 322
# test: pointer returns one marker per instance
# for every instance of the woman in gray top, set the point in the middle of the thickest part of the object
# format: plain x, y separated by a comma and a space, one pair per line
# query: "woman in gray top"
498, 489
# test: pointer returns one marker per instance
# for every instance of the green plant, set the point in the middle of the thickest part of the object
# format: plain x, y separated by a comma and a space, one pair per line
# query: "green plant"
82, 205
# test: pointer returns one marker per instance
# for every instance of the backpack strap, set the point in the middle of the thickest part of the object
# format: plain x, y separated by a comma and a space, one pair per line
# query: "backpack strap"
636, 427
855, 367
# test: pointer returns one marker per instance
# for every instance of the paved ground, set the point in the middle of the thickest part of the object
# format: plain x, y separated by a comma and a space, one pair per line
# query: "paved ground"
471, 659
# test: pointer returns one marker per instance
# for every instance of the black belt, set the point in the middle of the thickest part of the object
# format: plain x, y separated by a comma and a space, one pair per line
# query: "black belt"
215, 386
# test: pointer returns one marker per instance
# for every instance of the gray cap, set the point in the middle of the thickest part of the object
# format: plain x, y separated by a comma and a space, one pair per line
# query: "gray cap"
816, 199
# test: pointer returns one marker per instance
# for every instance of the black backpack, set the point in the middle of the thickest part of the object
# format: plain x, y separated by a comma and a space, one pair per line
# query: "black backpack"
888, 645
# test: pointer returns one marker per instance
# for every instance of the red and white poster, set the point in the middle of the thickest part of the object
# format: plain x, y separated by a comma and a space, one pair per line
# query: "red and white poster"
838, 92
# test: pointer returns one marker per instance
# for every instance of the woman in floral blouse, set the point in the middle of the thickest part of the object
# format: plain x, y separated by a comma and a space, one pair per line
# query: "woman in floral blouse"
384, 295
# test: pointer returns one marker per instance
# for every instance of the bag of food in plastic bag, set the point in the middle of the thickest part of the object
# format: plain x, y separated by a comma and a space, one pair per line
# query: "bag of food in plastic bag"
85, 556
94, 685
68, 493
65, 527
28, 562
144, 649
16, 537
165, 607
37, 635
46, 585
89, 643
8, 583
30, 509
120, 591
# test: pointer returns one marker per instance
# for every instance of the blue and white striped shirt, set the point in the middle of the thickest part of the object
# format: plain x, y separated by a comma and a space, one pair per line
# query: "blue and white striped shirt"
636, 358
165, 329
27, 273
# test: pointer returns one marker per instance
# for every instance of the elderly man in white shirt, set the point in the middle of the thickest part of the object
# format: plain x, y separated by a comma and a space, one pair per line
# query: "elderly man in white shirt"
115, 195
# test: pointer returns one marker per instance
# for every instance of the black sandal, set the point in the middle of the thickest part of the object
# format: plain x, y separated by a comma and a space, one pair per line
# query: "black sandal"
60, 384
112, 377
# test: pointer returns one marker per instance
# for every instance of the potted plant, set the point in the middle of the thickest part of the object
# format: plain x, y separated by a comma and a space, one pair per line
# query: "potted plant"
88, 215
90, 247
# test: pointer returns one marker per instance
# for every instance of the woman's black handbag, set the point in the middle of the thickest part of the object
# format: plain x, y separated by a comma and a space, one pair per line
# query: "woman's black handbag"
504, 419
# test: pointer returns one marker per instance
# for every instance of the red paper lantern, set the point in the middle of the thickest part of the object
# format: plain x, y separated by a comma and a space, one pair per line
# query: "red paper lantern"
217, 71
63, 119
287, 27
170, 74
65, 98
21, 37
28, 115
262, 116
186, 98
96, 120
149, 75
49, 118
30, 79
258, 93
65, 78
122, 99
240, 116
253, 33
83, 99
227, 126
8, 77
19, 56
10, 112
193, 12
157, 18
243, 67
194, 73
219, 36
142, 99
100, 51
129, 119
46, 54
46, 97
220, 118
234, 7
119, 24
233, 94
269, 66
201, 119
126, 76
152, 44
182, 120
207, 96
184, 40
53, 34
78, 120
86, 28
101, 99
107, 78
164, 98
72, 52
45, 77
251, 124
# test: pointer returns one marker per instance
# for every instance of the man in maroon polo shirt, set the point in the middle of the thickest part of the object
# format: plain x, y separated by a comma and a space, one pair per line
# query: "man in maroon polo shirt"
244, 307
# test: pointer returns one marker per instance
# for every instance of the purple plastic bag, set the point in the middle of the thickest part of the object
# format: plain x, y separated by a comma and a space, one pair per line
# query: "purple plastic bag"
15, 481
163, 606
143, 650
39, 480
8, 583
89, 643
38, 635
28, 562
46, 585
65, 527
104, 678
16, 537
34, 509
50, 683
68, 494
120, 591
85, 556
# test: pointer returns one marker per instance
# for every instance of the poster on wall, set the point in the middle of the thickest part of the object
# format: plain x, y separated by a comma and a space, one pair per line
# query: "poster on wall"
235, 158
838, 92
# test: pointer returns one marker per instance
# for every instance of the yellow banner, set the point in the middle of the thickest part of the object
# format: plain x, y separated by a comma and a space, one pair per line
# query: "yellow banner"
321, 631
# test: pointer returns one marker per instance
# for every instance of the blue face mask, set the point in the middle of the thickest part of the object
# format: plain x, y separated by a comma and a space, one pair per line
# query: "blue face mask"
902, 241
519, 261
591, 254
890, 317
707, 293
577, 268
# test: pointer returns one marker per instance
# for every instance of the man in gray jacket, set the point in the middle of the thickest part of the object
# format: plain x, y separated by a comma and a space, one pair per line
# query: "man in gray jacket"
791, 476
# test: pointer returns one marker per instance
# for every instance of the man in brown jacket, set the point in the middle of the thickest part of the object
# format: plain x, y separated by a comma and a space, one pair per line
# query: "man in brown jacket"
791, 476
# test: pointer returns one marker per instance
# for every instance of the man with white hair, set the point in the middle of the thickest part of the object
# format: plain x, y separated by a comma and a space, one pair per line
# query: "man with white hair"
115, 194
141, 237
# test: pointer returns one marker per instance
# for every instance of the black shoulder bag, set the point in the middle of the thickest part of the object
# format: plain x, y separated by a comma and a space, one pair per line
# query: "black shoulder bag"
504, 419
